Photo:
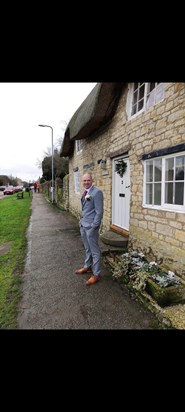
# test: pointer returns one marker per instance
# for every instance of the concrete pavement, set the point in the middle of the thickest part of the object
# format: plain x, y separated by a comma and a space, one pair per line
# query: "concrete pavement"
54, 297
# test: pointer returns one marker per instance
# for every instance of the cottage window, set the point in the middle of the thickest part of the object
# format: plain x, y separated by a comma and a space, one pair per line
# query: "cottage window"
164, 183
79, 145
76, 182
142, 96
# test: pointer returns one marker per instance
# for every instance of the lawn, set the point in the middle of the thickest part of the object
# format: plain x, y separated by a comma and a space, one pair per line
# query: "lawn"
14, 221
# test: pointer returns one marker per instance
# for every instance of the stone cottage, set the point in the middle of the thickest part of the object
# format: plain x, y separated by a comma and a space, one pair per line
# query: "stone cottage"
131, 136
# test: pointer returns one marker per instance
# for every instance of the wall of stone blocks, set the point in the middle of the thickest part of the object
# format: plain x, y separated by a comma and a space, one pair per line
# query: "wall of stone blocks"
159, 234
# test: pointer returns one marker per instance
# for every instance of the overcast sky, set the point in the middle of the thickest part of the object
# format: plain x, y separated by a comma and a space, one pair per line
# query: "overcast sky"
22, 107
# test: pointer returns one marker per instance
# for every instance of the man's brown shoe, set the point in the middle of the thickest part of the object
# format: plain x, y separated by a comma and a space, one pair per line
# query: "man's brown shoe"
93, 279
83, 270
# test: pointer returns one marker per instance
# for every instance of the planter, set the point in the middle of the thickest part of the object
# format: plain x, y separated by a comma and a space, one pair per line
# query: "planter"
165, 296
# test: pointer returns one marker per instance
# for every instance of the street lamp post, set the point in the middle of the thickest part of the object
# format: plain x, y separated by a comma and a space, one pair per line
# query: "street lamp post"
52, 166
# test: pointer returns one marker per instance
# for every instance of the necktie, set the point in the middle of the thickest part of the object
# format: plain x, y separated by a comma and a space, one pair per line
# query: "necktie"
83, 196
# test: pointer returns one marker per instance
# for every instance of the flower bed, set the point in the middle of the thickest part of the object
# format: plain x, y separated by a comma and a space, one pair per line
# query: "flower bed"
165, 296
164, 286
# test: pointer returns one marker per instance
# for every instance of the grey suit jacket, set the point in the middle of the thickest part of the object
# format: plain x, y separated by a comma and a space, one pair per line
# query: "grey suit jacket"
92, 209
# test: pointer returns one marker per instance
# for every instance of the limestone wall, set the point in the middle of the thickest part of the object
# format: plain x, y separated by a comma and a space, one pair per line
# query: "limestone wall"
161, 234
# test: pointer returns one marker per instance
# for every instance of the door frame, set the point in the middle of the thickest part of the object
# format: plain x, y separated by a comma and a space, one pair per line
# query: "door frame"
119, 229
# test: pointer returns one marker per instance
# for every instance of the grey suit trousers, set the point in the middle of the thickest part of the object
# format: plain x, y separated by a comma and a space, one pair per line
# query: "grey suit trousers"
90, 238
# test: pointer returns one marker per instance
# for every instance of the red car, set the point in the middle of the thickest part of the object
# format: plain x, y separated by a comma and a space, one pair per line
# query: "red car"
17, 189
9, 190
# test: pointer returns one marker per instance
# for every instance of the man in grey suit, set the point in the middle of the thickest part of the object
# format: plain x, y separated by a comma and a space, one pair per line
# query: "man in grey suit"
92, 214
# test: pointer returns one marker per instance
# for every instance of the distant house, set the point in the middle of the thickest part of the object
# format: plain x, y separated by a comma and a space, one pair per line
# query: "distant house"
132, 138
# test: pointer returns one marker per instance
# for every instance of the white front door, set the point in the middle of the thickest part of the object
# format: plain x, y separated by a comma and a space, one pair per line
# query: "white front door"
121, 195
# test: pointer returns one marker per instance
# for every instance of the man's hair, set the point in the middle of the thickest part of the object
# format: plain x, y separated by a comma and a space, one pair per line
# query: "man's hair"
89, 174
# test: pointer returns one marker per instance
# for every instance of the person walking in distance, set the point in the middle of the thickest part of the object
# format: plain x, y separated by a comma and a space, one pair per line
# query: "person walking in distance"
92, 214
38, 187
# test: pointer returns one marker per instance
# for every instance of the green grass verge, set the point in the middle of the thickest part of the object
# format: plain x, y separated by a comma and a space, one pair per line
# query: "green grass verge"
14, 220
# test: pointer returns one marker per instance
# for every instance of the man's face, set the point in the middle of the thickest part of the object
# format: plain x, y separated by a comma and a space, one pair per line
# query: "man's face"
87, 181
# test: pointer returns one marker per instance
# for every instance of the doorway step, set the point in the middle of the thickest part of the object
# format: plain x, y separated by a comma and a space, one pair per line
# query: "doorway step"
112, 238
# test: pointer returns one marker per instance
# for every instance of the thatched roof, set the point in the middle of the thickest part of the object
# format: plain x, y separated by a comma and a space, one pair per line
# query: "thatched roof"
96, 111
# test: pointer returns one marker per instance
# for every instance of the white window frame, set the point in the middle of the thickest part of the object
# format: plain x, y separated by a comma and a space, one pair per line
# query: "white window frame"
79, 145
149, 98
76, 182
163, 206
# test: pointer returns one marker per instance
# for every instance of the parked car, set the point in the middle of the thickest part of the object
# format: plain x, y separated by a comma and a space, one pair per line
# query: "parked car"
2, 188
17, 189
9, 190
